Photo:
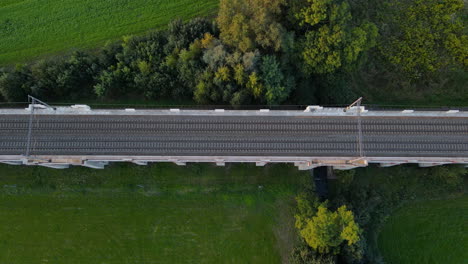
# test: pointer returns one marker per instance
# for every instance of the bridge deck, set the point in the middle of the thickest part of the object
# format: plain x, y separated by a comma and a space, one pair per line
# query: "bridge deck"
230, 135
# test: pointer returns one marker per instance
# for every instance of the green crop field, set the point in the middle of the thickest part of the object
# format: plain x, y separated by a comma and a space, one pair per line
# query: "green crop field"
156, 214
34, 28
427, 232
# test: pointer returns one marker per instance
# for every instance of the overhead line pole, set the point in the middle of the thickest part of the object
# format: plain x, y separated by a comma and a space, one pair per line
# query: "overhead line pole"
33, 101
31, 116
361, 152
358, 104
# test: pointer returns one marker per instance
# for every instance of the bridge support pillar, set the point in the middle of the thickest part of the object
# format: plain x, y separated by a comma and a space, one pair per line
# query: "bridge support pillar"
345, 167
55, 165
303, 166
95, 164
432, 164
385, 165
141, 163
220, 162
12, 162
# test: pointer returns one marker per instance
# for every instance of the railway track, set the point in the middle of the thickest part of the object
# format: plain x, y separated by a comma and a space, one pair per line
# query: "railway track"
233, 135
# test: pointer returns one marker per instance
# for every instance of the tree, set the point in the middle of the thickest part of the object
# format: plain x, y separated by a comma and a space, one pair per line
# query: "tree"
451, 177
331, 41
306, 209
76, 78
334, 89
250, 24
254, 85
423, 36
327, 230
274, 80
302, 254
215, 56
149, 48
180, 34
114, 82
15, 85
204, 89
240, 97
45, 79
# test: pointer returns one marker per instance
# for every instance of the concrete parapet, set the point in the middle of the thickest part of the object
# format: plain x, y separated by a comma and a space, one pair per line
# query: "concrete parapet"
355, 110
79, 107
35, 106
313, 110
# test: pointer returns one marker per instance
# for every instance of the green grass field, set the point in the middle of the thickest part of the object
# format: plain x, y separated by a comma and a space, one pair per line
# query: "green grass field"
427, 232
156, 214
34, 28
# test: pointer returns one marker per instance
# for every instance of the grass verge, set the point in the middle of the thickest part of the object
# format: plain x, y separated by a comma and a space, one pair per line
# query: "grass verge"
156, 214
427, 232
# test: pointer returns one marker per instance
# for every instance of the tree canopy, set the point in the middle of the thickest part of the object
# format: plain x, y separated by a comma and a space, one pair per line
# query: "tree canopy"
331, 41
266, 52
424, 35
14, 86
327, 230
251, 24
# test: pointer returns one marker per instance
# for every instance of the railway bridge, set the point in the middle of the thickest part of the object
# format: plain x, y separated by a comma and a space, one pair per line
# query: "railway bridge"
316, 136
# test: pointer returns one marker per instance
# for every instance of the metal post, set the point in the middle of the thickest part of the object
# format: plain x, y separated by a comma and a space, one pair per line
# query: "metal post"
358, 104
31, 116
361, 152
358, 101
33, 101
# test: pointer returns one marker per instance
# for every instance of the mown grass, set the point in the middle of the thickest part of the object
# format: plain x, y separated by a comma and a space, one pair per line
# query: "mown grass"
156, 214
427, 232
34, 28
